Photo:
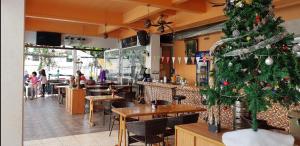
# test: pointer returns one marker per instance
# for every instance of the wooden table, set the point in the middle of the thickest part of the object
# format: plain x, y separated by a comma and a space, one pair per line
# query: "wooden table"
60, 98
95, 86
197, 134
144, 110
99, 90
54, 85
99, 98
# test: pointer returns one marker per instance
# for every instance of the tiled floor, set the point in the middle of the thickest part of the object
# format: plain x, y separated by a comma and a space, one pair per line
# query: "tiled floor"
46, 123
91, 139
45, 118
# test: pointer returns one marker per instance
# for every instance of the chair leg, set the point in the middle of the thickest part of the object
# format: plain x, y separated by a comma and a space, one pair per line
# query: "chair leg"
109, 122
103, 117
112, 125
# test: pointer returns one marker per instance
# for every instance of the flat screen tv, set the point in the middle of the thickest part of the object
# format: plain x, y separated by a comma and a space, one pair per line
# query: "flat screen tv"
48, 38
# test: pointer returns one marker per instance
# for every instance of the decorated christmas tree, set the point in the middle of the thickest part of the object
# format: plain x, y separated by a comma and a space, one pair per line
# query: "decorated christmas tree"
256, 61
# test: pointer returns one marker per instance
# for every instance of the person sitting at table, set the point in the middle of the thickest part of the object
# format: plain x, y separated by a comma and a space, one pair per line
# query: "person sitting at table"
82, 79
72, 81
102, 75
91, 81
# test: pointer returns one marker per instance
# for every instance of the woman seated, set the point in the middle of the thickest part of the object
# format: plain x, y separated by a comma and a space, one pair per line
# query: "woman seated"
91, 81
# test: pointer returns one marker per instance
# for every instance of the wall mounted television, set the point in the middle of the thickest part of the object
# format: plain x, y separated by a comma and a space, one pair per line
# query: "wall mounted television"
48, 38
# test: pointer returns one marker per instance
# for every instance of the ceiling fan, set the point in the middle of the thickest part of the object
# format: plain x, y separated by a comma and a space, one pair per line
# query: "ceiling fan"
216, 4
161, 23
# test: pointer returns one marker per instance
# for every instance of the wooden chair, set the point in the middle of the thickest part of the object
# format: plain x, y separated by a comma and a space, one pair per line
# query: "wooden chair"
183, 119
148, 132
115, 117
160, 102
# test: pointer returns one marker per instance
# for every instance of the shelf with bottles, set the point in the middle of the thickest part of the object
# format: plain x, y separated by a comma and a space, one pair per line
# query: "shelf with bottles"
202, 69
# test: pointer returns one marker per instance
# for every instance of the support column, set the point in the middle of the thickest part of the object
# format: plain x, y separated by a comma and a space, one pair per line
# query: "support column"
74, 55
12, 71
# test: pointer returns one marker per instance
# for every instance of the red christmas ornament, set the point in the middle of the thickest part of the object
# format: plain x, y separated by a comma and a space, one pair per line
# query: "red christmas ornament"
225, 108
285, 48
257, 19
287, 78
225, 83
286, 98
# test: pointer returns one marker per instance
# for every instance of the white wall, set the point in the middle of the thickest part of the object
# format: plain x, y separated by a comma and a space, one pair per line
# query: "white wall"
30, 37
12, 38
292, 26
154, 50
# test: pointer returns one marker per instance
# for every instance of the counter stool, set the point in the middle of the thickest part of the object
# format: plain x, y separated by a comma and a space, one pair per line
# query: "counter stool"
178, 98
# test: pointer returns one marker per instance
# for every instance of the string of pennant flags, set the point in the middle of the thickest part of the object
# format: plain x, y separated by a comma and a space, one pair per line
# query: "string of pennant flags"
179, 60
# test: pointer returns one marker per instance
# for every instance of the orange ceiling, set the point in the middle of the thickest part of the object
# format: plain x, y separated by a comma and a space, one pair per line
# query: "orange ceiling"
87, 17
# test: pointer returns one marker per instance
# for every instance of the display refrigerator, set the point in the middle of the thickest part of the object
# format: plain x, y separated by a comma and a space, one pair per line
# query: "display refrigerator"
202, 69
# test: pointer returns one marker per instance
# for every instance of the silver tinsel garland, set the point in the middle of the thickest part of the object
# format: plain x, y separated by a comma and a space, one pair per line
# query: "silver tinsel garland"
260, 45
243, 51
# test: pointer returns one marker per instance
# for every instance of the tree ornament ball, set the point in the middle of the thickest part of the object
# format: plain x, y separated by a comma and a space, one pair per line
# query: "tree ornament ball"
230, 64
286, 98
296, 48
248, 38
225, 83
269, 61
285, 48
257, 19
239, 4
268, 46
248, 2
287, 78
225, 108
236, 33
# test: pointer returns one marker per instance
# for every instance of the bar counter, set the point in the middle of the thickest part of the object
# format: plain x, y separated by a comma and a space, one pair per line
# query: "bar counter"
276, 116
163, 91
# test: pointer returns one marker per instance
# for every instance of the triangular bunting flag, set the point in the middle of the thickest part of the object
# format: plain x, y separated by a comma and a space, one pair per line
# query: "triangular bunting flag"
168, 59
173, 60
197, 59
186, 60
162, 59
193, 60
204, 59
179, 60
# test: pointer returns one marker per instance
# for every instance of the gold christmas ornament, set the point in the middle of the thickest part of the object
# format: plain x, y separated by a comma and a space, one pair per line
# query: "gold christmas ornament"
248, 38
248, 2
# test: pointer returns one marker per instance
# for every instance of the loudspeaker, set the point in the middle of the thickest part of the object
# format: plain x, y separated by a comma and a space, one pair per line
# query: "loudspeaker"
143, 37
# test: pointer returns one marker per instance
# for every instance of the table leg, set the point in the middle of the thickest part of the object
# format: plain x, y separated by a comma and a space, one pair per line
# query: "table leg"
59, 96
122, 130
91, 120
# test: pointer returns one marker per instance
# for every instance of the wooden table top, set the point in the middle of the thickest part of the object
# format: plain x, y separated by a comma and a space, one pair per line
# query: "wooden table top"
62, 86
201, 129
99, 90
95, 86
104, 97
146, 109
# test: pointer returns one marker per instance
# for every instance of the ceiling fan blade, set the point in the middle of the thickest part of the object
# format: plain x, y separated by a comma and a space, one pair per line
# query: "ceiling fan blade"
155, 25
217, 4
169, 22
